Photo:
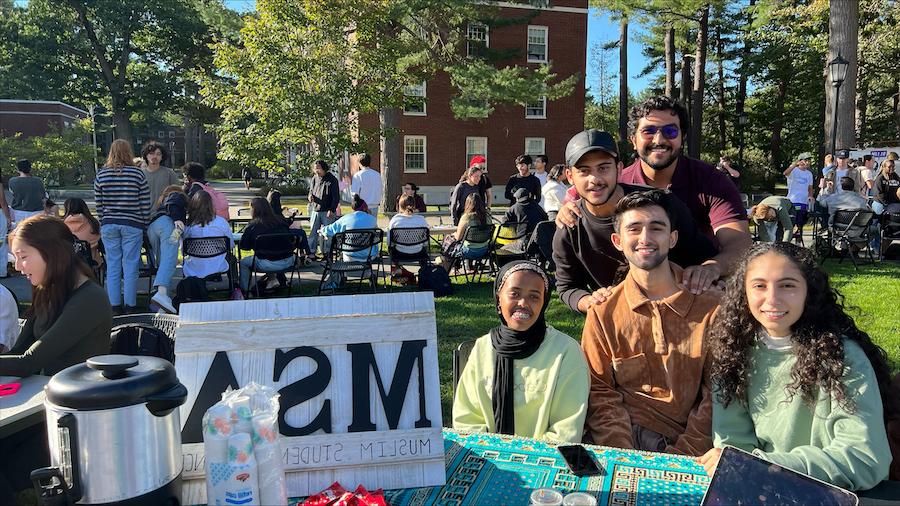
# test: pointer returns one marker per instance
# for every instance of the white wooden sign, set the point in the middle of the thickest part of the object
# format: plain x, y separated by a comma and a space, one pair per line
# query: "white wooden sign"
358, 378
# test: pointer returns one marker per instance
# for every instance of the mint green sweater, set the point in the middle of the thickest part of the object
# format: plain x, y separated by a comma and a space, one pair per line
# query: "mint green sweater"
825, 441
551, 389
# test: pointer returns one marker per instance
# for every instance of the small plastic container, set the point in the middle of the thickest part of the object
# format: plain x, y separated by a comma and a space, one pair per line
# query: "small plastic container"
579, 499
546, 497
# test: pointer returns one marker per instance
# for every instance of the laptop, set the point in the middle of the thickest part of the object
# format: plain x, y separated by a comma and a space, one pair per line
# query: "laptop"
743, 478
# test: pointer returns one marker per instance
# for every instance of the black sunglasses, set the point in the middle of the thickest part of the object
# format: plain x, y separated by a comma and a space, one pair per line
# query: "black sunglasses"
669, 131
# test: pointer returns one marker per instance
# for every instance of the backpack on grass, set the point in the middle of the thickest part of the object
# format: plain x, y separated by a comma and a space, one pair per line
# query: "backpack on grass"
190, 289
435, 279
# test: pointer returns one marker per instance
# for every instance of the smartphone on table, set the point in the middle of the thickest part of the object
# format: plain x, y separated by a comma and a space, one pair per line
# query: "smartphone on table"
579, 460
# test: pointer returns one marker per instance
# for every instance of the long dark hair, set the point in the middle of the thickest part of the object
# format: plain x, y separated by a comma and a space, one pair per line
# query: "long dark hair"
474, 204
201, 210
274, 198
76, 205
818, 336
52, 239
261, 213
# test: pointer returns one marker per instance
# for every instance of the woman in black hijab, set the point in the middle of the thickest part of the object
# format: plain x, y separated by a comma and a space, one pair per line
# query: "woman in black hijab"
524, 377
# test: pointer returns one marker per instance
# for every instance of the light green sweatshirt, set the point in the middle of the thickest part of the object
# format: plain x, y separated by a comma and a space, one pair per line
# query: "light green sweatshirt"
825, 441
551, 389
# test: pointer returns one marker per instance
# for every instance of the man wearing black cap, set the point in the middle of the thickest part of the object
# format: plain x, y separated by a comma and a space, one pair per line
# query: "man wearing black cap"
587, 263
27, 193
523, 178
841, 169
526, 212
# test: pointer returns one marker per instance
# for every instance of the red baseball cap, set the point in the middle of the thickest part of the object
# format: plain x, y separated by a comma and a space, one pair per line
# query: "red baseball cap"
477, 159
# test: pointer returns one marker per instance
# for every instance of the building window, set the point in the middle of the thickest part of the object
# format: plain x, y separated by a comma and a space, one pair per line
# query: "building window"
171, 134
537, 44
414, 153
477, 39
537, 109
475, 146
416, 99
534, 146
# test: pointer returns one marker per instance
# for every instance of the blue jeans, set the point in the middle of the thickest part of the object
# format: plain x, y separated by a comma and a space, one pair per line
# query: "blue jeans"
319, 219
123, 259
262, 265
164, 252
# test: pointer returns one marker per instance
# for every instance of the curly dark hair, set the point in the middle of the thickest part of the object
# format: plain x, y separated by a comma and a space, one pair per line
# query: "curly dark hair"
818, 336
660, 103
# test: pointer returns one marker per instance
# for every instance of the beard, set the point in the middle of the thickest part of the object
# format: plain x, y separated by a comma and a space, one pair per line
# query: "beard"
670, 156
647, 263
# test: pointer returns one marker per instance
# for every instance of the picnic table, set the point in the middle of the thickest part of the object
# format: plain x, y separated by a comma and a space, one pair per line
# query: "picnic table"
498, 469
24, 408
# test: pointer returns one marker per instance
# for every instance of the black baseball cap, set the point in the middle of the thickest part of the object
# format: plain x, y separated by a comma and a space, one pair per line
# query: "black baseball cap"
842, 153
586, 141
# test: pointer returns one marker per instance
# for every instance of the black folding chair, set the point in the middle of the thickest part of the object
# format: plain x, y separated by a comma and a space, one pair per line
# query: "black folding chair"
362, 250
540, 245
210, 247
276, 245
460, 359
408, 238
148, 265
890, 232
478, 254
849, 230
83, 250
509, 244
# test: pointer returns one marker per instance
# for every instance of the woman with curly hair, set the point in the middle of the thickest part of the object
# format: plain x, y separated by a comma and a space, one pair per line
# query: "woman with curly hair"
794, 380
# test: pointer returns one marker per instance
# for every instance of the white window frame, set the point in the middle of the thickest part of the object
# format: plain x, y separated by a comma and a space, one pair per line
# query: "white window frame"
470, 154
542, 115
171, 134
543, 150
412, 91
160, 134
546, 44
424, 154
469, 39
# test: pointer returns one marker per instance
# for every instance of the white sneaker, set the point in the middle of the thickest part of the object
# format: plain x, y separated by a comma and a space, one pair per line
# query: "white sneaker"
164, 302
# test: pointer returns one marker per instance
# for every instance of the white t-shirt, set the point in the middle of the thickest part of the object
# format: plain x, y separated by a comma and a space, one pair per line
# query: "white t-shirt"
837, 179
403, 221
553, 194
9, 320
799, 182
367, 184
202, 267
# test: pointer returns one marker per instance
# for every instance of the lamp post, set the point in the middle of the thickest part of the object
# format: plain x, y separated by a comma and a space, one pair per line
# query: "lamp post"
742, 124
94, 135
837, 69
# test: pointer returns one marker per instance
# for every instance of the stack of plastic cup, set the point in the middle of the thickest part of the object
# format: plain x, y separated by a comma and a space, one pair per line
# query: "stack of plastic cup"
579, 499
546, 497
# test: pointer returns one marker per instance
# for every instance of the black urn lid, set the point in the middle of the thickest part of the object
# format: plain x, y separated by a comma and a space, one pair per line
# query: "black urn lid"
110, 381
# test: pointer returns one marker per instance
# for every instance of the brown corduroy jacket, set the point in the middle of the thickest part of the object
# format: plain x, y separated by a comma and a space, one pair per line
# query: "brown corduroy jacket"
648, 365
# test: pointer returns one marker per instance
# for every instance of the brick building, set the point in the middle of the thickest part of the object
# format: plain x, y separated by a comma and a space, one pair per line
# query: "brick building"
437, 147
35, 118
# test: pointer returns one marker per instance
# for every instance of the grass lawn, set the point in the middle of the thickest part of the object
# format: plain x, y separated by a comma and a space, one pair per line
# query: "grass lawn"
872, 296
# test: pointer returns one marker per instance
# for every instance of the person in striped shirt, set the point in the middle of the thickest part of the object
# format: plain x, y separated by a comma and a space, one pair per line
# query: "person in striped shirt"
122, 198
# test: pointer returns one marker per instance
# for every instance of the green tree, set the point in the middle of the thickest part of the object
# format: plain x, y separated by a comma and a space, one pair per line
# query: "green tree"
60, 157
303, 72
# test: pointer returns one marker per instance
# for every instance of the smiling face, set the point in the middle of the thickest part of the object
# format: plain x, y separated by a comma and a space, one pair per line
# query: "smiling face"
645, 237
776, 292
319, 170
474, 177
654, 149
521, 299
522, 168
595, 177
29, 261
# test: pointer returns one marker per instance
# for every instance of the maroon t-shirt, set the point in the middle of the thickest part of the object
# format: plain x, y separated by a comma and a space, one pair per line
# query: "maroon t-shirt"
709, 194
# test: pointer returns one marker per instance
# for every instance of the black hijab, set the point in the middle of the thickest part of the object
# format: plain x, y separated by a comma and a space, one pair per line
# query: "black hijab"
511, 344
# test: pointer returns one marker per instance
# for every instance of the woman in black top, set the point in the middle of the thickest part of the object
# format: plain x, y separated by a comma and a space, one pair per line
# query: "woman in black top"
887, 188
274, 199
265, 221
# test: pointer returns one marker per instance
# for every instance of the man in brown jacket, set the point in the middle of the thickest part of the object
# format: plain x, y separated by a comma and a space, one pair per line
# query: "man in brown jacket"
646, 344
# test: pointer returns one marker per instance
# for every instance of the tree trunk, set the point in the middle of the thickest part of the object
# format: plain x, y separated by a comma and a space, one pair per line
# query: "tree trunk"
201, 153
685, 92
862, 104
670, 62
778, 125
189, 155
896, 107
623, 83
696, 136
720, 57
843, 28
121, 117
391, 157
741, 98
